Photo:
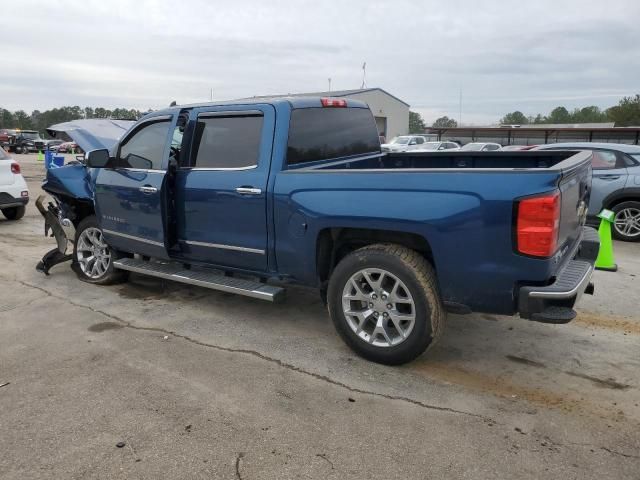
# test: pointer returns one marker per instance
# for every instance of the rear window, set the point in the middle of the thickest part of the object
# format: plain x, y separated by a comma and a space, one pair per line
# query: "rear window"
326, 133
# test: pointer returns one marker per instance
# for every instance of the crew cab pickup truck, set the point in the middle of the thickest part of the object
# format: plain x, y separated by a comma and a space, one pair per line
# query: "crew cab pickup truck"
250, 196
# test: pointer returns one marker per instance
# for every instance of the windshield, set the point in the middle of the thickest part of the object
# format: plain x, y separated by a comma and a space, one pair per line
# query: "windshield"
474, 147
401, 140
31, 135
636, 157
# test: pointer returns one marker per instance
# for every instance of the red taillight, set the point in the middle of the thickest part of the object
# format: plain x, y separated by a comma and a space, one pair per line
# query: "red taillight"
333, 102
15, 168
538, 224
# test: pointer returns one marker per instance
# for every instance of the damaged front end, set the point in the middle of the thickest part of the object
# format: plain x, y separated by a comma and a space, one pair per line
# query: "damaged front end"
72, 198
61, 228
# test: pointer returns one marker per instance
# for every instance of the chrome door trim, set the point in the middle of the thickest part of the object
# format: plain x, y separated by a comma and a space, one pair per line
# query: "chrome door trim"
225, 247
249, 191
132, 237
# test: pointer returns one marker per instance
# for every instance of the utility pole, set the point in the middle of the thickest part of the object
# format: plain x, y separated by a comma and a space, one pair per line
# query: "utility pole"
460, 113
364, 75
329, 83
211, 95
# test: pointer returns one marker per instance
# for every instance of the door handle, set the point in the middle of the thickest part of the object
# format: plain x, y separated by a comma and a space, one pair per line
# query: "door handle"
609, 177
249, 191
148, 189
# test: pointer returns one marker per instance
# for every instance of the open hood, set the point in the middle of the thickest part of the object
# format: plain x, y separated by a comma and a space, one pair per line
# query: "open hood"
93, 134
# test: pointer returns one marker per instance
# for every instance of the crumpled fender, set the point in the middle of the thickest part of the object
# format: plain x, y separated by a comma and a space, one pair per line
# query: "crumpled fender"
74, 181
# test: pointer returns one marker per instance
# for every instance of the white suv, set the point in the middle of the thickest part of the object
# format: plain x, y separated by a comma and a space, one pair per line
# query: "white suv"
14, 194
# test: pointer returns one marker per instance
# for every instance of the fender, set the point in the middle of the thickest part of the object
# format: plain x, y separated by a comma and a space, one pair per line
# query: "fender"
74, 181
629, 193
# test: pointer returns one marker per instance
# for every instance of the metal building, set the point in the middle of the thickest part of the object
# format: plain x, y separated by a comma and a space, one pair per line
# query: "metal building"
391, 113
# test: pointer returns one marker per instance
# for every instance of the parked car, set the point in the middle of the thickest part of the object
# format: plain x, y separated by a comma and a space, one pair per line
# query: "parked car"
273, 192
69, 147
431, 146
53, 145
481, 147
14, 194
403, 143
616, 184
5, 137
25, 141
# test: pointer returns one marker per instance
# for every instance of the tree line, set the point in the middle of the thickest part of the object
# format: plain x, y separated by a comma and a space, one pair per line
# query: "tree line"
37, 120
625, 114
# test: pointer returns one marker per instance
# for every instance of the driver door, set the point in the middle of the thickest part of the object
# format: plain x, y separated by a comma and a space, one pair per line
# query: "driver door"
128, 197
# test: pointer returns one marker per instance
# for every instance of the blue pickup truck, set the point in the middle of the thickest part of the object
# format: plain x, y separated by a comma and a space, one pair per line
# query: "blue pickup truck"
250, 196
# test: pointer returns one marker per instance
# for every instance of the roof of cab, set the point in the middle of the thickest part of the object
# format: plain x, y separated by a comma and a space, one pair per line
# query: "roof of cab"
293, 102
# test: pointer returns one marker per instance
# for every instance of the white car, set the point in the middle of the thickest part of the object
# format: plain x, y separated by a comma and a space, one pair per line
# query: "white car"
14, 194
403, 143
482, 147
438, 146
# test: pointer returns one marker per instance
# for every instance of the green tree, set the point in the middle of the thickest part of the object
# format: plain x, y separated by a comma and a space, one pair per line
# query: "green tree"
6, 119
559, 115
514, 118
22, 120
590, 114
626, 113
416, 123
445, 122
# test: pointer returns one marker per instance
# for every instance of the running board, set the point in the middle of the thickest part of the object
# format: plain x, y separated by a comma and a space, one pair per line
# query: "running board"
177, 273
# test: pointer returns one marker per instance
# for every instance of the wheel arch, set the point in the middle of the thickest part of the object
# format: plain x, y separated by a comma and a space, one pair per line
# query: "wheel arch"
333, 244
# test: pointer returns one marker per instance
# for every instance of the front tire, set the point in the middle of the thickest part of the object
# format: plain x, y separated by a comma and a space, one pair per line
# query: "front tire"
14, 213
626, 224
385, 304
92, 257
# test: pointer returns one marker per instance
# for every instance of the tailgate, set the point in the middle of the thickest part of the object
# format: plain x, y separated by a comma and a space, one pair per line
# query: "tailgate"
575, 190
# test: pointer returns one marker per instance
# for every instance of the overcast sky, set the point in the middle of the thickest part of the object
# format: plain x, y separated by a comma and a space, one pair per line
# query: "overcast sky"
503, 55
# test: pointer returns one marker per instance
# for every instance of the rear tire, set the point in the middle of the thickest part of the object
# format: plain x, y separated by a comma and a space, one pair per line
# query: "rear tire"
626, 225
385, 304
14, 213
93, 258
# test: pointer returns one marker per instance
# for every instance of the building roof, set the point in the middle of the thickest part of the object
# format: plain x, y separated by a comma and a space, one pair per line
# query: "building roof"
566, 125
334, 93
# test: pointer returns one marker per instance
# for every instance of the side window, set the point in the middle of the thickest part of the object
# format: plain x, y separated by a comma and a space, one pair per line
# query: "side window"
145, 148
227, 142
420, 140
603, 160
450, 146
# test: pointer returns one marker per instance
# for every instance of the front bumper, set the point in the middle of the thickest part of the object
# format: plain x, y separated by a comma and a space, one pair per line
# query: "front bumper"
554, 303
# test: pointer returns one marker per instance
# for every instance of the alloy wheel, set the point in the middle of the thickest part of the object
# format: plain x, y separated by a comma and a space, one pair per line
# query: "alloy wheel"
378, 307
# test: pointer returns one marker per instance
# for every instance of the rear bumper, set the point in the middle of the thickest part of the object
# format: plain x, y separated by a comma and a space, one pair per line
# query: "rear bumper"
9, 201
554, 303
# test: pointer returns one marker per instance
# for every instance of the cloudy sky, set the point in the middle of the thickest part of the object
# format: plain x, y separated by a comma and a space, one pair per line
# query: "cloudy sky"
502, 55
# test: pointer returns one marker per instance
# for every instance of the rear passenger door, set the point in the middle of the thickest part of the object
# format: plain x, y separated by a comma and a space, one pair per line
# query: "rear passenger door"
221, 193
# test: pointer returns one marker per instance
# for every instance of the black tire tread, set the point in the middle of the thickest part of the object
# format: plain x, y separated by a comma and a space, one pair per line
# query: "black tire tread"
10, 215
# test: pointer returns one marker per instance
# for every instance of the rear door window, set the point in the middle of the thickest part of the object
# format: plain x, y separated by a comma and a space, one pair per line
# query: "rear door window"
327, 133
603, 160
227, 142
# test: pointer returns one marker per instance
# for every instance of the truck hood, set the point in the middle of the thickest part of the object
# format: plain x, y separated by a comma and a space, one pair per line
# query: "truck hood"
93, 134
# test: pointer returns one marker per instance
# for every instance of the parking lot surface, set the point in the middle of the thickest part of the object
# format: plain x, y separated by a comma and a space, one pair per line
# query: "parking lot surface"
202, 384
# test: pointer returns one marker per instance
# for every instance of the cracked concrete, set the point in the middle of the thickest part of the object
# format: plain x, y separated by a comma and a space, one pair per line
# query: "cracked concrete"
203, 384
